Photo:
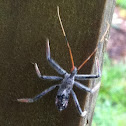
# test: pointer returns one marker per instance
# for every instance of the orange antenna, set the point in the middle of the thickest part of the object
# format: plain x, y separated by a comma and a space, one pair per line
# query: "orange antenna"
72, 61
108, 26
71, 56
87, 59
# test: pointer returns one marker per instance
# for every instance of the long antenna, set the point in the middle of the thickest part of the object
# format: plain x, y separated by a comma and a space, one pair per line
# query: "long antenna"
87, 59
71, 56
108, 26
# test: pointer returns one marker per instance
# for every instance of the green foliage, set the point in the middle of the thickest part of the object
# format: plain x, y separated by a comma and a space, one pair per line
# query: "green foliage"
111, 103
121, 3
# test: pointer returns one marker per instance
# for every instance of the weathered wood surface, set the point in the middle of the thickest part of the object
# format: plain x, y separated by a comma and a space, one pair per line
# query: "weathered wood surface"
24, 27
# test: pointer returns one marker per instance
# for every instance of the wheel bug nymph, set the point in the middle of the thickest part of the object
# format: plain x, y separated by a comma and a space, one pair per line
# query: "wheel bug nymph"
67, 81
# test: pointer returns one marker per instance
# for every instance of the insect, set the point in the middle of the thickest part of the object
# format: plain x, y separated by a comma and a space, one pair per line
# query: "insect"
67, 81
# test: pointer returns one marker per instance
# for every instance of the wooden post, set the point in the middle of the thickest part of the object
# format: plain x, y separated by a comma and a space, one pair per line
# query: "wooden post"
91, 99
25, 25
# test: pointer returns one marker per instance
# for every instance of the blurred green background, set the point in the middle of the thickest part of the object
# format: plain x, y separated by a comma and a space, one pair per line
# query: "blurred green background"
111, 103
121, 3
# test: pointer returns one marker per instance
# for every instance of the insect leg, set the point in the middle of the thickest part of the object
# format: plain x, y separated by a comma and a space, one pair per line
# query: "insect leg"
45, 77
60, 70
82, 87
86, 77
30, 100
82, 113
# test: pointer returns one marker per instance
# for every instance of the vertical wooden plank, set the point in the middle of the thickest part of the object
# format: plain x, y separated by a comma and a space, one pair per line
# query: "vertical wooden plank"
24, 27
105, 20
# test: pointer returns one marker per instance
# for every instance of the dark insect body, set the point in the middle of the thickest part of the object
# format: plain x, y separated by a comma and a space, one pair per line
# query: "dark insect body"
67, 81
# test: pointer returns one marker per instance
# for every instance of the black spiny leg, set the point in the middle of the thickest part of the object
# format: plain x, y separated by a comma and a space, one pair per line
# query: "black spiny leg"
82, 113
45, 77
82, 87
87, 77
30, 100
60, 70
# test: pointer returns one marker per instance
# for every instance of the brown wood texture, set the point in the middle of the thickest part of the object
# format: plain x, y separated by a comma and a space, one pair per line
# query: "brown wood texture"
24, 27
90, 101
